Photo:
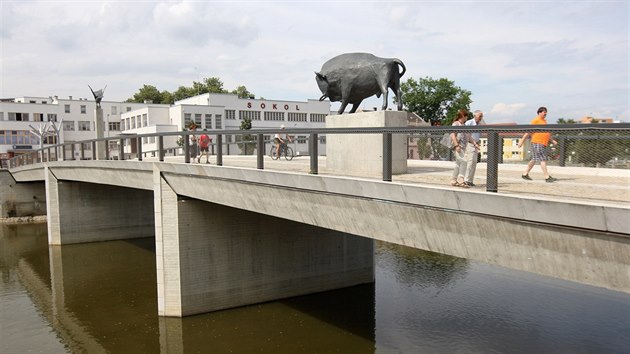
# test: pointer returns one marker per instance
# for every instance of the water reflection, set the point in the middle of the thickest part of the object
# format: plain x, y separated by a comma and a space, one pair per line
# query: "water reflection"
101, 298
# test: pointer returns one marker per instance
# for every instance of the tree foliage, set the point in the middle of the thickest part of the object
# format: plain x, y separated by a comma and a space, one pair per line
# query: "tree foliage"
208, 85
246, 140
152, 94
435, 101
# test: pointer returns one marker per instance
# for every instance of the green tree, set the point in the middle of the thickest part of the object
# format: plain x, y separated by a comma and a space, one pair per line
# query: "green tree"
245, 140
565, 121
242, 92
147, 93
435, 101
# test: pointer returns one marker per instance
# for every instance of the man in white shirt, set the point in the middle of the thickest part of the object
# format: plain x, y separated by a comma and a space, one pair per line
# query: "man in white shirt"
472, 148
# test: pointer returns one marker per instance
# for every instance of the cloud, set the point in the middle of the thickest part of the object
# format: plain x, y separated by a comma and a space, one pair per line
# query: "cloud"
508, 110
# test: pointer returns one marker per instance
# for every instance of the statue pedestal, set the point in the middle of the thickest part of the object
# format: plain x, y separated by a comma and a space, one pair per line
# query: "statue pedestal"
99, 126
363, 153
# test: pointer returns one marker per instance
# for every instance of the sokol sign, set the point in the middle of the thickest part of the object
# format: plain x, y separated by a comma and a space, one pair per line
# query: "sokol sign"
274, 106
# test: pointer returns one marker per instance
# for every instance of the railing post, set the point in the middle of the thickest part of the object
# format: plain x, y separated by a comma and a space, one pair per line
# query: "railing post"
82, 151
94, 150
121, 149
72, 148
313, 153
48, 154
63, 152
562, 146
500, 150
186, 148
219, 150
160, 147
387, 157
493, 162
260, 153
139, 148
107, 145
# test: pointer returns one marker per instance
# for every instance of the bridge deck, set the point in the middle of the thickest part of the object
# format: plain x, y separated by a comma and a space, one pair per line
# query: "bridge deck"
596, 185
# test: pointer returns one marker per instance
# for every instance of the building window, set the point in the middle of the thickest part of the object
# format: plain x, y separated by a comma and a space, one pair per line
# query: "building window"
68, 126
83, 109
133, 123
67, 108
144, 120
276, 116
38, 117
322, 139
198, 119
84, 125
52, 117
208, 121
301, 139
297, 117
217, 121
187, 119
128, 109
253, 115
318, 118
18, 117
1, 115
114, 110
230, 114
114, 126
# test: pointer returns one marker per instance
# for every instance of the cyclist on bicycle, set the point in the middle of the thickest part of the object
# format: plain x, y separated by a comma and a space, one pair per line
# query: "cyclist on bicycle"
279, 141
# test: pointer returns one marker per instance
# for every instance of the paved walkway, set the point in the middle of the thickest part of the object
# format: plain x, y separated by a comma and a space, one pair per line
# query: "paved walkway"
611, 186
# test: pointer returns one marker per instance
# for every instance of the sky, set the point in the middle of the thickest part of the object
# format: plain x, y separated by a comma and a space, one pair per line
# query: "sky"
513, 56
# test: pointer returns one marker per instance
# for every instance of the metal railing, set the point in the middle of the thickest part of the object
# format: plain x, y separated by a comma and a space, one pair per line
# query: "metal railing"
596, 145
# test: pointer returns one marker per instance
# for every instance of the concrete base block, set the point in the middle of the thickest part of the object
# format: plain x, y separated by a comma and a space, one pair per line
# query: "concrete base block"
363, 153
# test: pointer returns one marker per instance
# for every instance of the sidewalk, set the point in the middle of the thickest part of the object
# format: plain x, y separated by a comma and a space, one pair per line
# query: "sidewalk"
574, 183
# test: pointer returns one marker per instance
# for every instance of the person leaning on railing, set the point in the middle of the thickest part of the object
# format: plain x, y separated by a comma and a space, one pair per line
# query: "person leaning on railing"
540, 140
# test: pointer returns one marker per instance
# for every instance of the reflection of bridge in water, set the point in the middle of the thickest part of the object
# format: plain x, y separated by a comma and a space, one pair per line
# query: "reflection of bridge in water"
229, 236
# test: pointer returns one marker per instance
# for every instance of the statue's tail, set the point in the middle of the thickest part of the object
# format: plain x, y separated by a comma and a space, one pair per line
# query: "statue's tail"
399, 62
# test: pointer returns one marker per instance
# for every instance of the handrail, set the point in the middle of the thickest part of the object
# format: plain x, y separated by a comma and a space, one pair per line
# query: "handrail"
491, 131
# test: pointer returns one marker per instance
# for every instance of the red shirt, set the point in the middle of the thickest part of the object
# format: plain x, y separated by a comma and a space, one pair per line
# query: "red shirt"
204, 141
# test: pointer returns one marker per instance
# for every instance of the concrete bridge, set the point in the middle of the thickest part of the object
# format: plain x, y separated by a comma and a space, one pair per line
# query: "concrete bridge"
232, 236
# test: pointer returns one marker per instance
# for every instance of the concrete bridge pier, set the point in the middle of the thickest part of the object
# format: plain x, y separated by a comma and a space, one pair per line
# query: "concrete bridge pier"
86, 212
212, 257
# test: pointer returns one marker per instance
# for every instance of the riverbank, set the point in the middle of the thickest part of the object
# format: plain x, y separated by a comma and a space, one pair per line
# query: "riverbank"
24, 220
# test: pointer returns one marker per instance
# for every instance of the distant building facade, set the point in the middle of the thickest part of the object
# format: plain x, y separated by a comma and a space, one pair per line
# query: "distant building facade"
75, 118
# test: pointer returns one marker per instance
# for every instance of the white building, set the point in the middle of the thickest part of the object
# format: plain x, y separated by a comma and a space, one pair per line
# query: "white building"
74, 117
209, 111
214, 111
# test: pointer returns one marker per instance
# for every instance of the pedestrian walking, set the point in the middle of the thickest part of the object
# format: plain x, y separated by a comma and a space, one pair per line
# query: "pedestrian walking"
539, 141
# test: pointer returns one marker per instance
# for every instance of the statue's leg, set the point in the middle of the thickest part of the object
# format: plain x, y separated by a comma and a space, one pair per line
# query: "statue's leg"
355, 106
344, 104
385, 93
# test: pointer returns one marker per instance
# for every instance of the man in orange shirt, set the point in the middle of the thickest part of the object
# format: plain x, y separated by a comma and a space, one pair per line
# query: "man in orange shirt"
540, 141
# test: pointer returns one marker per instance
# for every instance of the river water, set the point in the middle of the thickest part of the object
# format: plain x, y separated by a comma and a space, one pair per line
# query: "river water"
101, 298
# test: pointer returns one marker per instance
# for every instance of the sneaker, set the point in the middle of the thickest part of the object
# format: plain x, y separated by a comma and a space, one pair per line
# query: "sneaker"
526, 177
197, 160
550, 179
469, 184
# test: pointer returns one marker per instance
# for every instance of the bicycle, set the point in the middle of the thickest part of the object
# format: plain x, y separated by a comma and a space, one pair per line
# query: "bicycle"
285, 150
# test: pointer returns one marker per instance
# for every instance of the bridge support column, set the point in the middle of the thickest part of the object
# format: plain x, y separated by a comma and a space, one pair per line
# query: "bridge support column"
212, 257
86, 212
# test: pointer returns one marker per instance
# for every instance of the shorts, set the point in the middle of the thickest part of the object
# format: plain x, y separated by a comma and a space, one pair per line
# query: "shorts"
276, 141
539, 152
204, 149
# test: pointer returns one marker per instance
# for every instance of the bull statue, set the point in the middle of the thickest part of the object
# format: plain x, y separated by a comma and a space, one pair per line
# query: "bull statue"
353, 77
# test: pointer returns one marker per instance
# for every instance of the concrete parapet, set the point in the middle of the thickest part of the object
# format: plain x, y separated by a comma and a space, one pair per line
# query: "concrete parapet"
363, 153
